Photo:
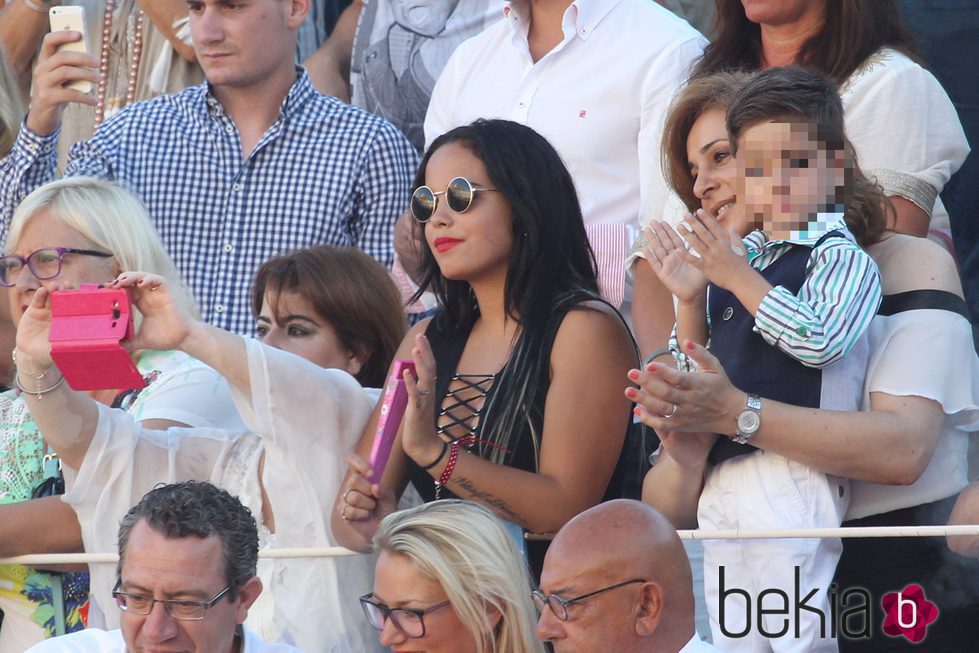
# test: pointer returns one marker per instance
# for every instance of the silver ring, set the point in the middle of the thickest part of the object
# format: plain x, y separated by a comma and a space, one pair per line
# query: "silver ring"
343, 515
345, 495
671, 413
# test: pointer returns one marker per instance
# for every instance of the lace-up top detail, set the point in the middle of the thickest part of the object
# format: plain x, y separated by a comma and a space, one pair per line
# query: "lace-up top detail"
462, 405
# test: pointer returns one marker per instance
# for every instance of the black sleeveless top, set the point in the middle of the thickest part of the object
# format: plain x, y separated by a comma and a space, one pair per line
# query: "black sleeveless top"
750, 362
447, 346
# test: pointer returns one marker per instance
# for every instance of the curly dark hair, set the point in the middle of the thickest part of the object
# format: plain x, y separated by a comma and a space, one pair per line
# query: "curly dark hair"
200, 509
801, 93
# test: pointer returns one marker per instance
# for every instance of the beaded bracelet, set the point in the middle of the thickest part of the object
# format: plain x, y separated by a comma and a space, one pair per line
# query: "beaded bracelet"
449, 467
445, 447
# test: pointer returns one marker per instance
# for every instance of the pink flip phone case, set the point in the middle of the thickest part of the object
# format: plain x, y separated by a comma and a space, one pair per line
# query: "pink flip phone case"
87, 326
393, 405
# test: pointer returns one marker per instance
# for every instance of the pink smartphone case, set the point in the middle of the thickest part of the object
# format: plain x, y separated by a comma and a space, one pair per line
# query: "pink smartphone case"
87, 326
393, 405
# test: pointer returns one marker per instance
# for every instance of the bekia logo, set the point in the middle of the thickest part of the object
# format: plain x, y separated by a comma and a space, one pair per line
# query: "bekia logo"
908, 613
846, 613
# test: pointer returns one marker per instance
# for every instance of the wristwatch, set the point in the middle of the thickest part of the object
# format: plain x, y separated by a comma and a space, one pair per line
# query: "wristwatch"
749, 421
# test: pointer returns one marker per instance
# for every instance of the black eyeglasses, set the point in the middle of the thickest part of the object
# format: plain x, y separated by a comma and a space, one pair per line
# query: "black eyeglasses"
177, 608
459, 195
559, 606
44, 263
409, 622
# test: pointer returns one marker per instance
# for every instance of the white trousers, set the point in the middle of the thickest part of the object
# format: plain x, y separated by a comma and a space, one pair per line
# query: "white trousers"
764, 604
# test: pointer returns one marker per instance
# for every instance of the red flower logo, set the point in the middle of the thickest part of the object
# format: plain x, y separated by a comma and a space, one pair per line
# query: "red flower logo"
908, 613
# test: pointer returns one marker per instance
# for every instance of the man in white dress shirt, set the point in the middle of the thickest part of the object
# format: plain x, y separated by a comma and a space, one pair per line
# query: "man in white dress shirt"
186, 578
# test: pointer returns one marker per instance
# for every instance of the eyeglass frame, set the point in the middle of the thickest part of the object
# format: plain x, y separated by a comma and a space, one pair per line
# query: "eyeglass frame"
386, 610
545, 599
473, 189
167, 603
26, 262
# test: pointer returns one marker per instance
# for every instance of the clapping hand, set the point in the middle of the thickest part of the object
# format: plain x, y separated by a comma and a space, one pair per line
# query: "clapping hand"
721, 252
669, 259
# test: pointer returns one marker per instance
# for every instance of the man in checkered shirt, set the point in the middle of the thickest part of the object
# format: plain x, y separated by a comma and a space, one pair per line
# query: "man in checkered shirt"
249, 164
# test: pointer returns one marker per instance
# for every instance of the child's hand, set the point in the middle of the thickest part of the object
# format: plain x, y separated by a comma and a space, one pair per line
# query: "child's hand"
665, 255
722, 254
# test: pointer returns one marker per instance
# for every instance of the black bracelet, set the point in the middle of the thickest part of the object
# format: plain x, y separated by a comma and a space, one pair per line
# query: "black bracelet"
445, 447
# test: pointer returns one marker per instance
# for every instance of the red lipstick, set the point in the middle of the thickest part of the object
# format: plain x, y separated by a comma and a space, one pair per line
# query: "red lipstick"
443, 245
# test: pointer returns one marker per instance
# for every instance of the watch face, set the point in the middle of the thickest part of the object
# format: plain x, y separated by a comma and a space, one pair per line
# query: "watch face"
748, 422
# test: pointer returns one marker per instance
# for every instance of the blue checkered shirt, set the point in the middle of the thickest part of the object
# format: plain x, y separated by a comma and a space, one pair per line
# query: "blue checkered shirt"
324, 172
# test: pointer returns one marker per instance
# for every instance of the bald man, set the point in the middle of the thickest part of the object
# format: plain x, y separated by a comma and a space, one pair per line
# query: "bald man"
616, 578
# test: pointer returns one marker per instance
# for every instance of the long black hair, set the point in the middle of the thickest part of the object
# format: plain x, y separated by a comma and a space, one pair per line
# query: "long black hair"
551, 268
550, 254
853, 30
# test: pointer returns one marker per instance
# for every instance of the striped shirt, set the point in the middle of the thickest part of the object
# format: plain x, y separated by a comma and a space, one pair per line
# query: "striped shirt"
837, 300
324, 172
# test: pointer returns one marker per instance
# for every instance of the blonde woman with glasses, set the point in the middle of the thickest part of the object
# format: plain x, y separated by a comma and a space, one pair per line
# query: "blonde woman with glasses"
449, 579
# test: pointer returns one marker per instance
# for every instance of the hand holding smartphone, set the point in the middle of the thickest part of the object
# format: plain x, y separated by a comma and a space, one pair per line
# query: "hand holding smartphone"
72, 18
88, 327
393, 405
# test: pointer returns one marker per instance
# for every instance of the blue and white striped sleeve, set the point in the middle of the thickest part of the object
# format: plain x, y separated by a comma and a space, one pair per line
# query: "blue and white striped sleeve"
839, 297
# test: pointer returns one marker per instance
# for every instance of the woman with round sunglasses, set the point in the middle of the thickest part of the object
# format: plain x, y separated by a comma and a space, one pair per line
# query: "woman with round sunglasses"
514, 404
79, 231
449, 579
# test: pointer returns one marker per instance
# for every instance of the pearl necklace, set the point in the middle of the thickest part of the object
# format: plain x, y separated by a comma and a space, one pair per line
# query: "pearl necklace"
110, 6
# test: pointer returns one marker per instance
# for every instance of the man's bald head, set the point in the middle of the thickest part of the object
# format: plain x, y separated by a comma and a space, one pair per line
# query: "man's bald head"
614, 542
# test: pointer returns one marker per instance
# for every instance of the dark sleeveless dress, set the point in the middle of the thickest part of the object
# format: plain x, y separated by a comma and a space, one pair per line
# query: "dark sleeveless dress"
447, 346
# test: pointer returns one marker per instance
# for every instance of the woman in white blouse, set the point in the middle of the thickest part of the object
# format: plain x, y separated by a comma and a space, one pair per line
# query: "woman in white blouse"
898, 117
303, 421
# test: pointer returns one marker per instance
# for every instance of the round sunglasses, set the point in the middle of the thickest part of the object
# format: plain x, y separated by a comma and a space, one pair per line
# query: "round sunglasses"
459, 196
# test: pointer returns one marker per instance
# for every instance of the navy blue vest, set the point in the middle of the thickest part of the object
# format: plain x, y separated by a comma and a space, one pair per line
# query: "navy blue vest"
752, 364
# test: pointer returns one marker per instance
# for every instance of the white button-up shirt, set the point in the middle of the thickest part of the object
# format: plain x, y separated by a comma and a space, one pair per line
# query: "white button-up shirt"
600, 97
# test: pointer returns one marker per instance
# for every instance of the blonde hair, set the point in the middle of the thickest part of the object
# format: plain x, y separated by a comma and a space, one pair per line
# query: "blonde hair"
11, 107
464, 548
111, 218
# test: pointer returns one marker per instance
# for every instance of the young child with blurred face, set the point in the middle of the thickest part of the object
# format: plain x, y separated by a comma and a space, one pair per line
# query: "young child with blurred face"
784, 295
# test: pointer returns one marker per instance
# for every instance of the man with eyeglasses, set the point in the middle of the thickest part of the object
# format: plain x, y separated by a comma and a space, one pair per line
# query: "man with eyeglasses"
616, 578
187, 559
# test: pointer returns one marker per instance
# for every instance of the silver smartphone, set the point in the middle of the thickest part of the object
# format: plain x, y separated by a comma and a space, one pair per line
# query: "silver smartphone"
72, 18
